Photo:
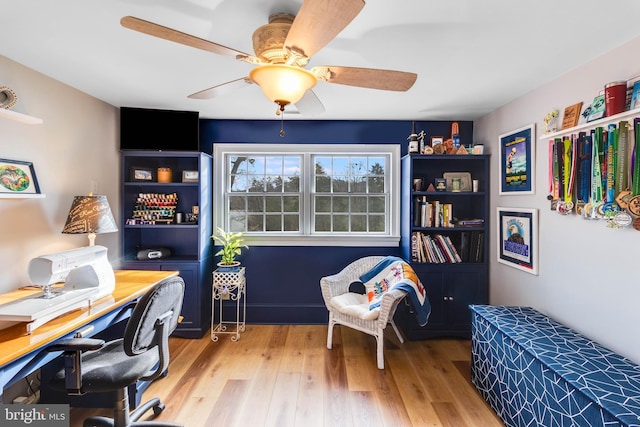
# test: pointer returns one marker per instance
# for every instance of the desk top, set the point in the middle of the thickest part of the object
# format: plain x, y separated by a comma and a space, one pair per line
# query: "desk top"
130, 284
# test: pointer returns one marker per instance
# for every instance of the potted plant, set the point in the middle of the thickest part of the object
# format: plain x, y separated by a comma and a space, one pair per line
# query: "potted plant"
232, 244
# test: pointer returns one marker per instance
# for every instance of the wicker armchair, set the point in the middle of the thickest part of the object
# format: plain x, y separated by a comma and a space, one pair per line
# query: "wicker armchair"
338, 285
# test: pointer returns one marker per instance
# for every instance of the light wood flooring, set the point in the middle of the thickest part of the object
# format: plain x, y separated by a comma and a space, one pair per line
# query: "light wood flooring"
285, 376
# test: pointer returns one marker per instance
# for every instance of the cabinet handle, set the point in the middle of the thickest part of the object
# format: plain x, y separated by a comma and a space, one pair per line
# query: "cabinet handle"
446, 298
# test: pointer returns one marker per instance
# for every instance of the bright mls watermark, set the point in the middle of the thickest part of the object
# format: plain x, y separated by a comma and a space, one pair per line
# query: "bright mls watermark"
40, 415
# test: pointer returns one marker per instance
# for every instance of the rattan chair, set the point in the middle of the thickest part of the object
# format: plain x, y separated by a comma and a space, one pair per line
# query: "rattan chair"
356, 315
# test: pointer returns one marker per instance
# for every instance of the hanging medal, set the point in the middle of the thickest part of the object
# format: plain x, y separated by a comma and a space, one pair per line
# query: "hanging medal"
633, 206
595, 198
608, 208
565, 206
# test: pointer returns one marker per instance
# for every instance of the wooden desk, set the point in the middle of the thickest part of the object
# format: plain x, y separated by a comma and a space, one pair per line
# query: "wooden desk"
21, 353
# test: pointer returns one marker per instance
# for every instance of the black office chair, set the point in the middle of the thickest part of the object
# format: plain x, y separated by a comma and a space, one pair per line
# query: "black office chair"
93, 366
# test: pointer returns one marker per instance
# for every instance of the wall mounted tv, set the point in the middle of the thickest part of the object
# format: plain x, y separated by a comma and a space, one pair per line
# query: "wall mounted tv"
158, 130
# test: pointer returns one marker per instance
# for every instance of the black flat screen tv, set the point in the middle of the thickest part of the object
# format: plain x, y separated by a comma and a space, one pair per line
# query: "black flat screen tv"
159, 130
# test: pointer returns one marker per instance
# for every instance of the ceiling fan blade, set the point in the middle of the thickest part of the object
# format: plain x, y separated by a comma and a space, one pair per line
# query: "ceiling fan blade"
222, 89
372, 78
309, 104
176, 36
318, 22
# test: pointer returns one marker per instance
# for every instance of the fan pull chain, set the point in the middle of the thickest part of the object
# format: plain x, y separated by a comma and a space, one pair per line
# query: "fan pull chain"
282, 125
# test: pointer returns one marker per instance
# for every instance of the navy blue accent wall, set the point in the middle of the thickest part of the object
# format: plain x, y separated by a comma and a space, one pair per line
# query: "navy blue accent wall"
283, 283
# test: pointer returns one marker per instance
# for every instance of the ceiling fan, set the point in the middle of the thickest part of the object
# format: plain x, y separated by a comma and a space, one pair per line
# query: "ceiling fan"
283, 47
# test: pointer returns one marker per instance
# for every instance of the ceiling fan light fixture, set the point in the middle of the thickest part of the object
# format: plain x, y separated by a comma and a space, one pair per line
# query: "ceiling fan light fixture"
283, 84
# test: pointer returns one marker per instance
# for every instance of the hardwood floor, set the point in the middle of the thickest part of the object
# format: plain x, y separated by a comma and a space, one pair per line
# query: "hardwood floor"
285, 376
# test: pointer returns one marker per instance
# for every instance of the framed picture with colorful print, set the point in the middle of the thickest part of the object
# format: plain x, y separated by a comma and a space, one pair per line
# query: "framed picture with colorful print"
517, 161
18, 179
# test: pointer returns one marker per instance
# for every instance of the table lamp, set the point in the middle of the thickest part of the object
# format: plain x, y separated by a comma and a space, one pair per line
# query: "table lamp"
90, 215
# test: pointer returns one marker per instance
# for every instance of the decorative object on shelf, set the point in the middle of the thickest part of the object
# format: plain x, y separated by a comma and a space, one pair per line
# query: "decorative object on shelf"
550, 121
518, 238
8, 97
437, 143
154, 208
90, 215
232, 244
463, 179
635, 96
615, 98
597, 110
165, 175
422, 146
477, 149
417, 184
441, 184
141, 174
190, 176
18, 177
414, 145
571, 116
517, 161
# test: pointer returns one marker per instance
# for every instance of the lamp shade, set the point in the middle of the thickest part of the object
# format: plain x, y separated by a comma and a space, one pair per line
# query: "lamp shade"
283, 84
90, 214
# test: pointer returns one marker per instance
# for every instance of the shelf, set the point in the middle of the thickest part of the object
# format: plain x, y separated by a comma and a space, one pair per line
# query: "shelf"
600, 122
21, 196
160, 184
163, 226
19, 117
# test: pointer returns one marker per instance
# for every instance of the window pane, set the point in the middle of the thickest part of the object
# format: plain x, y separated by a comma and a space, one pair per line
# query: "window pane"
255, 203
323, 204
323, 223
358, 184
358, 204
237, 203
340, 184
323, 184
292, 184
274, 223
341, 223
255, 223
341, 204
292, 223
358, 223
377, 204
237, 221
291, 204
273, 204
376, 223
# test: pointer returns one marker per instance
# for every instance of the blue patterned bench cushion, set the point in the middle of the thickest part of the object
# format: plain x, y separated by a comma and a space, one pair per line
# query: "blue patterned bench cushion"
535, 371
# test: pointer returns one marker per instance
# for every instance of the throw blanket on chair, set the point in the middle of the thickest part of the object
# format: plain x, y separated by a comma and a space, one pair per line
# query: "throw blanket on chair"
396, 273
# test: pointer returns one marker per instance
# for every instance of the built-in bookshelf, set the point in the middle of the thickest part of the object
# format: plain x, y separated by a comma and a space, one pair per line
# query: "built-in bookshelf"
444, 235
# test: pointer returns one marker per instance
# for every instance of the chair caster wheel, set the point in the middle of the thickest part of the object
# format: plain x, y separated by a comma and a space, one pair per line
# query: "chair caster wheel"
157, 409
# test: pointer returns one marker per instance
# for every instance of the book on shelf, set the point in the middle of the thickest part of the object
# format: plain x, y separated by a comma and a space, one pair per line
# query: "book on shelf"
469, 222
432, 213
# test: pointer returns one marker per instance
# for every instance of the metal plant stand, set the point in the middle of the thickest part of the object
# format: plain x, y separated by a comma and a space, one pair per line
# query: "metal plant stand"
228, 286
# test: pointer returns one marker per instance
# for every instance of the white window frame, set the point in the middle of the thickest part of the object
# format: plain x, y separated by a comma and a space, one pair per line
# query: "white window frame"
390, 239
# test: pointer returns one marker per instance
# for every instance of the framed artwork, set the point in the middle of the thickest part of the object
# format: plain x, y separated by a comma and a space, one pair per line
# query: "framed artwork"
141, 174
518, 238
435, 140
190, 176
517, 161
18, 177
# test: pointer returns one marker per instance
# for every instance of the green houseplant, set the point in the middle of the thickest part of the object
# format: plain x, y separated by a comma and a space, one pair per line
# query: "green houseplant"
232, 244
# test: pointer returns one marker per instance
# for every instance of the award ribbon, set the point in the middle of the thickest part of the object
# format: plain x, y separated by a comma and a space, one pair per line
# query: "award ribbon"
634, 201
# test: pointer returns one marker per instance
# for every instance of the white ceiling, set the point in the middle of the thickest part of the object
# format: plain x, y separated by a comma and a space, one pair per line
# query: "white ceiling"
471, 56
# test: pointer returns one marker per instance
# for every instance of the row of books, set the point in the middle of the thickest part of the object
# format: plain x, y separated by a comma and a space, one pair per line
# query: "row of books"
432, 214
438, 249
435, 249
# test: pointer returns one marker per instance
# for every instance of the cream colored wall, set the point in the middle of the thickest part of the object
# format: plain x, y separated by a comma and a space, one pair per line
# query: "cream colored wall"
76, 144
588, 273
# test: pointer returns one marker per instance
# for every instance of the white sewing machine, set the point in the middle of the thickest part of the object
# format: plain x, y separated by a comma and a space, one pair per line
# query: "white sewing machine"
87, 276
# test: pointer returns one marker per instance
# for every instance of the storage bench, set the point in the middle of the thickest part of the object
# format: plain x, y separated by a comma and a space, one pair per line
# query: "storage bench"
534, 371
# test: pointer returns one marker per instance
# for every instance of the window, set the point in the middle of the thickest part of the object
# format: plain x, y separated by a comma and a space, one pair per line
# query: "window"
302, 194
